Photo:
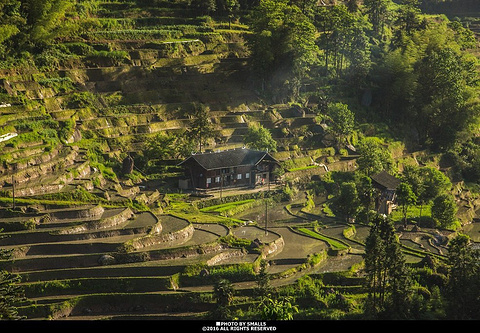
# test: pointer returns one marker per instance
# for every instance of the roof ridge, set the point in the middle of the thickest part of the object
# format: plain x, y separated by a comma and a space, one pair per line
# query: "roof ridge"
228, 158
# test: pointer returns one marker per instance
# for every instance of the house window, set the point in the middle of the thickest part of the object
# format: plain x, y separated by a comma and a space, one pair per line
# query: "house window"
247, 175
209, 180
217, 179
239, 176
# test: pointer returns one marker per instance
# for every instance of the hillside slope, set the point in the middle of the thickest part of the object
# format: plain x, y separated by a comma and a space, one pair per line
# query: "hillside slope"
91, 240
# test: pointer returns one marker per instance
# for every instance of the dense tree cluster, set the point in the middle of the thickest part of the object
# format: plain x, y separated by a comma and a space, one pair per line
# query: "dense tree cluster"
283, 46
393, 64
387, 278
27, 25
395, 290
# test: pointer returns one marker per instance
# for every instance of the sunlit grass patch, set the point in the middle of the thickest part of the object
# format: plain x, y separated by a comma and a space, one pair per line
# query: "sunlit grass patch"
334, 244
226, 206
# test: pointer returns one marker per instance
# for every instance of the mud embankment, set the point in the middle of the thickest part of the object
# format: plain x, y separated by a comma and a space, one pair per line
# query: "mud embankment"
104, 223
170, 239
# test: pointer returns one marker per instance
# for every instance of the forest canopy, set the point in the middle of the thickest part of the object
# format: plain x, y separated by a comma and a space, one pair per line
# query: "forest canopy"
391, 62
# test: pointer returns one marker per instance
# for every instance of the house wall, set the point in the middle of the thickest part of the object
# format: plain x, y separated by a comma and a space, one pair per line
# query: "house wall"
386, 202
228, 177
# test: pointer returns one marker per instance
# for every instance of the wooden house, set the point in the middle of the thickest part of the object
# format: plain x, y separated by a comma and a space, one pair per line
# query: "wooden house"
230, 168
386, 186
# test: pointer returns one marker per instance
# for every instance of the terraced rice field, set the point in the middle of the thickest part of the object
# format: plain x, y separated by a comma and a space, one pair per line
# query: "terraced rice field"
92, 258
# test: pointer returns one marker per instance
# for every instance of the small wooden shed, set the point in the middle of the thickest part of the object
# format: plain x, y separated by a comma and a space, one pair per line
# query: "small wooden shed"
386, 185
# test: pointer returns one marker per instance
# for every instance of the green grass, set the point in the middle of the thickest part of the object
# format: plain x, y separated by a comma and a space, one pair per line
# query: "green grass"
178, 207
334, 244
226, 206
413, 212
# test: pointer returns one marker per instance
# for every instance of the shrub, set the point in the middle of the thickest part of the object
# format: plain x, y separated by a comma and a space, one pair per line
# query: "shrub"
58, 84
114, 57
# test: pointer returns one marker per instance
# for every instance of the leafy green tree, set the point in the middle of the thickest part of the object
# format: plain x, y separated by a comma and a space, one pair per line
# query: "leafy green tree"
231, 7
444, 97
260, 138
399, 301
408, 19
201, 127
156, 150
374, 279
32, 23
416, 79
358, 55
11, 20
353, 5
373, 158
306, 6
45, 18
365, 194
161, 146
426, 182
466, 158
394, 83
185, 145
411, 175
342, 121
300, 50
463, 288
347, 201
263, 280
379, 12
405, 198
248, 4
343, 40
332, 22
434, 183
277, 308
204, 7
223, 294
10, 294
282, 45
387, 278
463, 36
444, 210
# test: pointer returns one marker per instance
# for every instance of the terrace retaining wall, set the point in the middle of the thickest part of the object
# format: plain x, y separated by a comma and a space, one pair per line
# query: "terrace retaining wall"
225, 255
171, 238
273, 247
91, 212
101, 224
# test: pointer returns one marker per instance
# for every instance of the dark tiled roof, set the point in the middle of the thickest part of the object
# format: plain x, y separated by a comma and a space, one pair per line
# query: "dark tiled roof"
386, 180
229, 158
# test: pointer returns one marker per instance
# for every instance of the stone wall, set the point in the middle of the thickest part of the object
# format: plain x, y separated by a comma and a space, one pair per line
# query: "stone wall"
101, 224
91, 212
224, 256
171, 238
273, 247
188, 251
